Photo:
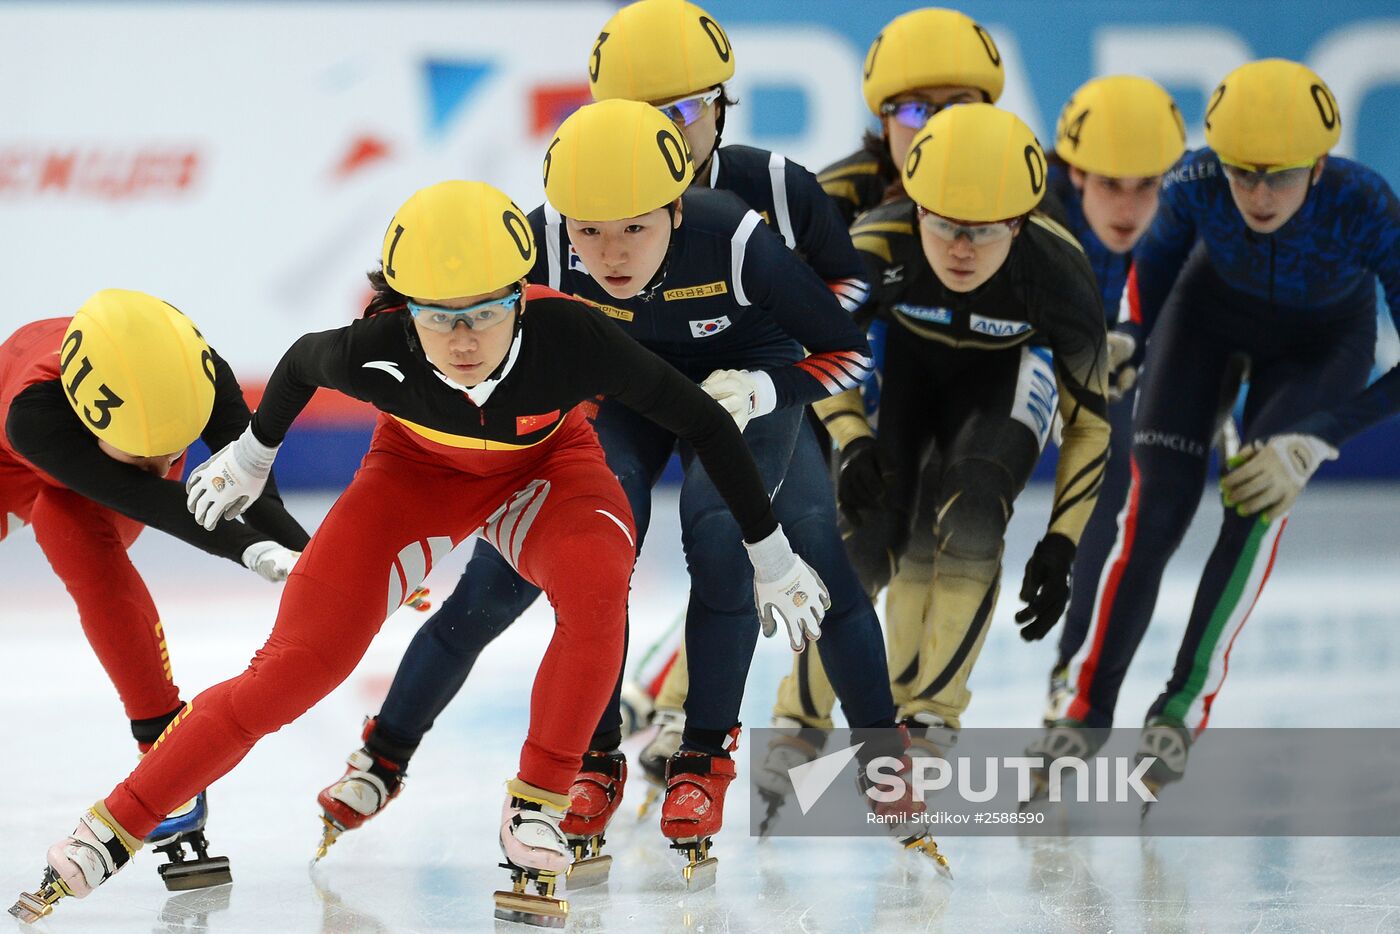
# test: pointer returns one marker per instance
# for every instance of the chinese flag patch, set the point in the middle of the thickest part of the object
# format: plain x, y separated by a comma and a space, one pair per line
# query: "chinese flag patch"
526, 424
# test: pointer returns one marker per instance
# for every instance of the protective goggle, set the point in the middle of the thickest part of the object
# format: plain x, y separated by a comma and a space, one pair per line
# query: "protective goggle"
687, 110
1276, 178
913, 114
976, 234
476, 317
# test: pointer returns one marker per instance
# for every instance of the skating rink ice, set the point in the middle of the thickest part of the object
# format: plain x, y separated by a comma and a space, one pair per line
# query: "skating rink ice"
1322, 649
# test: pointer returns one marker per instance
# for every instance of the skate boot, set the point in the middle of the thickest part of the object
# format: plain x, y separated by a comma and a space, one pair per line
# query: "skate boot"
79, 863
1065, 739
637, 707
185, 827
693, 811
368, 785
536, 853
1168, 742
1058, 697
658, 752
797, 745
593, 800
924, 734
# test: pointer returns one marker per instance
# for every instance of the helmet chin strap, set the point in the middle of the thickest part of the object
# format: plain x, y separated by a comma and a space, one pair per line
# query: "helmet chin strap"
702, 170
649, 290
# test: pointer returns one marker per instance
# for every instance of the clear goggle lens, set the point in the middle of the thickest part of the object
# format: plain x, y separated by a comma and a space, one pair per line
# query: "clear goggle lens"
687, 110
976, 234
477, 317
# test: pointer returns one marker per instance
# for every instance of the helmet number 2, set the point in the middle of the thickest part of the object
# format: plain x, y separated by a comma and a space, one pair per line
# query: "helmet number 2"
109, 401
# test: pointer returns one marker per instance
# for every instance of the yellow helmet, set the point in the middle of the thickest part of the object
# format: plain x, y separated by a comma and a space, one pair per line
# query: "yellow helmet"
1272, 113
931, 47
657, 50
615, 159
1123, 125
975, 162
137, 372
455, 239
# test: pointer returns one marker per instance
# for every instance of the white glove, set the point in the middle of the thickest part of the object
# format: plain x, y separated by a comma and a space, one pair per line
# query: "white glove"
784, 588
270, 560
1268, 475
227, 483
745, 394
1120, 378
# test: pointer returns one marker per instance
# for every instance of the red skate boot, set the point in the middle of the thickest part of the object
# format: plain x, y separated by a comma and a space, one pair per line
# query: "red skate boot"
366, 788
593, 800
693, 811
903, 817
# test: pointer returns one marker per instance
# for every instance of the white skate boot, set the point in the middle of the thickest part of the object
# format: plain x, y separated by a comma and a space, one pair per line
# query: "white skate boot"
1168, 743
637, 707
1065, 739
1057, 698
79, 863
797, 745
658, 752
537, 853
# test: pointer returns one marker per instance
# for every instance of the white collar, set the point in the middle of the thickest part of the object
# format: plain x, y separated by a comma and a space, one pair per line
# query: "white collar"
482, 390
714, 167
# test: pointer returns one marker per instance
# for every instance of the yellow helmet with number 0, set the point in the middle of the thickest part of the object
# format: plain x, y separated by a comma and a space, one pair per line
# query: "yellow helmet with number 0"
931, 47
975, 162
1123, 126
658, 50
137, 372
615, 159
1272, 113
456, 239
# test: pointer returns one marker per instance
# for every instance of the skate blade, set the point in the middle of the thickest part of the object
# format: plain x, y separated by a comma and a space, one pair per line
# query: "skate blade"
536, 910
929, 848
701, 875
196, 874
31, 907
653, 793
330, 832
588, 872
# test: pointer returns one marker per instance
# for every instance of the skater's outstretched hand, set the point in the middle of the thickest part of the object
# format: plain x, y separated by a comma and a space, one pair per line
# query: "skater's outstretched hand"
864, 478
1268, 475
1122, 374
228, 483
270, 561
786, 588
1045, 588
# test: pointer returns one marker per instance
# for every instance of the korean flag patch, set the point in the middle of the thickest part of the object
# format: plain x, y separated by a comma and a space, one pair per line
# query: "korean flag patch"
709, 327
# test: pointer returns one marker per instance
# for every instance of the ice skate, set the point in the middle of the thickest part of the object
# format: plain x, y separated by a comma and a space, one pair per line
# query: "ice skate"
796, 746
1169, 743
79, 863
536, 853
593, 800
636, 708
693, 811
1058, 697
1065, 739
195, 868
370, 782
653, 758
925, 734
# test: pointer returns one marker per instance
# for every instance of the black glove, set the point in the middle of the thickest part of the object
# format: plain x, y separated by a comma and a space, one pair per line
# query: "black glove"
1045, 588
864, 476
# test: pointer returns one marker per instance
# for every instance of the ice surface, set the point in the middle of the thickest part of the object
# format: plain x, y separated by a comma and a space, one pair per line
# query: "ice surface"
1322, 649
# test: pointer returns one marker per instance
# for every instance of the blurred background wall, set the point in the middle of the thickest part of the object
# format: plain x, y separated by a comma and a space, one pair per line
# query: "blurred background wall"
241, 159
